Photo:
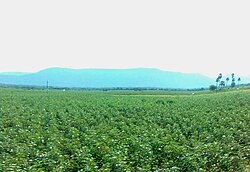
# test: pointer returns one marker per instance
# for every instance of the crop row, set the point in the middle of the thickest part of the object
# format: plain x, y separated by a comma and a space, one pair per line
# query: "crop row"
91, 131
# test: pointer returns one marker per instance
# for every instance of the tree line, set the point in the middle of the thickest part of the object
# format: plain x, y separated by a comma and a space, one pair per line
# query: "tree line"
220, 83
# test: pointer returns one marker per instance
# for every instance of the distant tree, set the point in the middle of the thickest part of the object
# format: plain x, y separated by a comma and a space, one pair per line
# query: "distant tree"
233, 82
217, 81
220, 75
212, 87
239, 81
222, 83
232, 75
227, 80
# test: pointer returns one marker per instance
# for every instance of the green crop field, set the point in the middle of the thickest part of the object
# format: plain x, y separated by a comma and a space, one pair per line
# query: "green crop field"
124, 130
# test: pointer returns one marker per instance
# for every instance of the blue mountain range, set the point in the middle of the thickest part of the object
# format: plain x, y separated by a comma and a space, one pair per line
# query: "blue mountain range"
103, 78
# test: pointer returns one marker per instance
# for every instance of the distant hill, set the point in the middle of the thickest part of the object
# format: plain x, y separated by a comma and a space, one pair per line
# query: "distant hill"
101, 78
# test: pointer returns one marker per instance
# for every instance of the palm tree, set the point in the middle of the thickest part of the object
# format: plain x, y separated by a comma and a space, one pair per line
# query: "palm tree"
233, 82
227, 80
217, 81
222, 83
239, 81
220, 75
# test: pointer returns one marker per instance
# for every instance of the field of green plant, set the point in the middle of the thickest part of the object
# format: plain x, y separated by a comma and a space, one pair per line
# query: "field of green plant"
121, 131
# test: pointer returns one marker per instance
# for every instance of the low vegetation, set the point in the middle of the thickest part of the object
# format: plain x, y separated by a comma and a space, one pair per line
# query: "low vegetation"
44, 130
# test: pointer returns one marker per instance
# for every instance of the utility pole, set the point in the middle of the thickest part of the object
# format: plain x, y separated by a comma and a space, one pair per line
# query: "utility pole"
47, 85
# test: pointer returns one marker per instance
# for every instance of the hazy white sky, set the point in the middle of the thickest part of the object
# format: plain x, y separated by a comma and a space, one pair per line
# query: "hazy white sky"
187, 36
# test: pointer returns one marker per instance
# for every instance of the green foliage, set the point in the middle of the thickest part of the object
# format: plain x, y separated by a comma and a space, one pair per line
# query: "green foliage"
233, 84
99, 131
212, 87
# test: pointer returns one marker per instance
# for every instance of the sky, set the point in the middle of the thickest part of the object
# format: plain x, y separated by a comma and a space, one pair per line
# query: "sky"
207, 37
